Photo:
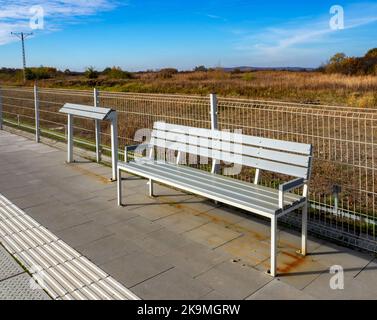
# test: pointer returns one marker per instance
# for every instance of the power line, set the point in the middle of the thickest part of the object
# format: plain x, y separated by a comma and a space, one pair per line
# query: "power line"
22, 36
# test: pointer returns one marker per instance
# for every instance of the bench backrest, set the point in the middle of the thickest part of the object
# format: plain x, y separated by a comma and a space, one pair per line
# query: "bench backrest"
285, 157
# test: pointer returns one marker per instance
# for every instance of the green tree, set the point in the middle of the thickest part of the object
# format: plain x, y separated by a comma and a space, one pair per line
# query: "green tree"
337, 58
91, 73
117, 73
200, 69
167, 73
372, 53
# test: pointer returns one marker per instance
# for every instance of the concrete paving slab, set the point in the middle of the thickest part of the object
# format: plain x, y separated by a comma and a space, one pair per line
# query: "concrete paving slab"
353, 288
247, 249
163, 241
109, 248
83, 233
21, 287
62, 221
88, 207
368, 274
173, 284
234, 280
112, 216
171, 194
225, 215
138, 199
278, 290
136, 228
214, 295
199, 205
182, 222
156, 211
212, 235
8, 266
195, 258
136, 268
45, 211
331, 254
294, 269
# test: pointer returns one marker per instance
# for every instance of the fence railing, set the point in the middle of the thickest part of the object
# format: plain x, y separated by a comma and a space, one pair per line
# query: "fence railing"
343, 189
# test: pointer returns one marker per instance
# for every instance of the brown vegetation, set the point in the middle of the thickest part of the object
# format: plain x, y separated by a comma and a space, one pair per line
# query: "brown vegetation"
333, 84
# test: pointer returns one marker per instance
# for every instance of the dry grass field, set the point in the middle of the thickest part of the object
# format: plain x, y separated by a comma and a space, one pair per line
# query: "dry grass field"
303, 87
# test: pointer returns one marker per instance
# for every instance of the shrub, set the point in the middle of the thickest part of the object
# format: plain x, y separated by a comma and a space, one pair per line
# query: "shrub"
236, 71
219, 74
200, 69
248, 76
40, 73
340, 63
91, 73
167, 73
117, 73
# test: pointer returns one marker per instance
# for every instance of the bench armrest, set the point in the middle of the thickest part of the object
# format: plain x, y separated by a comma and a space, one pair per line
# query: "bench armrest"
133, 148
288, 186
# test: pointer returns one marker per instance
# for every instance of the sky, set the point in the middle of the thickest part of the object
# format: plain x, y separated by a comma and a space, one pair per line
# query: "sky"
153, 34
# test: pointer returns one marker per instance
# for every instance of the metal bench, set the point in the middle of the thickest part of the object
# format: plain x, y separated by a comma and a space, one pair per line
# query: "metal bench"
97, 114
180, 142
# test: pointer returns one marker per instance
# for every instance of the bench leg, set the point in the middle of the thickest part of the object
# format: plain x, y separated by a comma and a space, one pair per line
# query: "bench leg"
273, 246
119, 186
150, 183
304, 229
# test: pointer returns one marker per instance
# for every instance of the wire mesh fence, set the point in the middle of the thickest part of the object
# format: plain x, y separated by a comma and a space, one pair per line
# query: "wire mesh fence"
343, 184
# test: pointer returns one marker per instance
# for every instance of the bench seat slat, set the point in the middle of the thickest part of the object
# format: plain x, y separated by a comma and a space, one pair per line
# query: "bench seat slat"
265, 194
248, 199
235, 184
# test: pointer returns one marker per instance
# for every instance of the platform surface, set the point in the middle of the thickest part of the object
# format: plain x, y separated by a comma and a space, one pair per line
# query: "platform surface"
173, 246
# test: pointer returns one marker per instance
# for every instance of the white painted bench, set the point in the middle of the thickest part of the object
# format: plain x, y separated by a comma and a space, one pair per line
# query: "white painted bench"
180, 142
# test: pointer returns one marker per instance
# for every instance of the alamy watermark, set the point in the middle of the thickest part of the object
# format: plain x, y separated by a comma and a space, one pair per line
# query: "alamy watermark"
188, 148
337, 280
337, 18
37, 282
36, 21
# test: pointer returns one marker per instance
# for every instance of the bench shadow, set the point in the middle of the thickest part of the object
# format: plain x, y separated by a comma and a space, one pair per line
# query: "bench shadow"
82, 161
303, 273
253, 218
153, 204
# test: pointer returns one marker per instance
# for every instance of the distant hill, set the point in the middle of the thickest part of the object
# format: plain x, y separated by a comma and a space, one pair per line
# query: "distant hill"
246, 68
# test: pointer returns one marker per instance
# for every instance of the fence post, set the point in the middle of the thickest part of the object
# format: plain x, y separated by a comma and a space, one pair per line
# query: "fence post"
1, 109
336, 189
214, 126
70, 138
36, 106
114, 145
97, 128
213, 99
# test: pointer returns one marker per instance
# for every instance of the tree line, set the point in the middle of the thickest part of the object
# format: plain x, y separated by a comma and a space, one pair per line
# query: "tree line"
341, 63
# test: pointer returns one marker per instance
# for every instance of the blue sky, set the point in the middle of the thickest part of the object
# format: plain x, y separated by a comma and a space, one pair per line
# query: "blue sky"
151, 34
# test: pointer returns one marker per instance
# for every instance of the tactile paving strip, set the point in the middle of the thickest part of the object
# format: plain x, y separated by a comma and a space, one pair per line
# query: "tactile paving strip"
59, 269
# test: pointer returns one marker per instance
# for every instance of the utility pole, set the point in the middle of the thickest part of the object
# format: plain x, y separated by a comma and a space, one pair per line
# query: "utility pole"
22, 36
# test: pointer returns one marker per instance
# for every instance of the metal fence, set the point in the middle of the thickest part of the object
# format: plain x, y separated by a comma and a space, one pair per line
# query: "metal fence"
343, 185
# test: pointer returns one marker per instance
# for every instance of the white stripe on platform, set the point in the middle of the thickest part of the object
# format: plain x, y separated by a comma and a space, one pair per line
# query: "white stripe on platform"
59, 269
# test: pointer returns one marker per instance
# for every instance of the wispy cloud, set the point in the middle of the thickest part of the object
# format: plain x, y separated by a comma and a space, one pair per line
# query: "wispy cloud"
300, 34
212, 16
15, 16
